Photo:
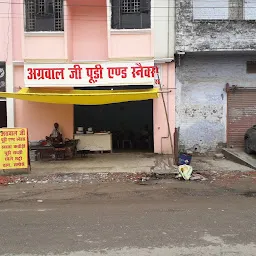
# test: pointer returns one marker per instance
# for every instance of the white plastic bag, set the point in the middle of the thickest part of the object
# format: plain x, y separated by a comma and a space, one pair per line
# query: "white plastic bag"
185, 171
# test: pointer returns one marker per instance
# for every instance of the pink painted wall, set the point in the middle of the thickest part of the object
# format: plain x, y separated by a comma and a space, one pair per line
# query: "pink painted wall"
162, 145
132, 45
6, 31
17, 29
51, 46
39, 117
68, 32
89, 30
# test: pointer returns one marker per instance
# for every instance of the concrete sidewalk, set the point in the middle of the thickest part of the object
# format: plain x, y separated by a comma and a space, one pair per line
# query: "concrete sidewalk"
130, 163
239, 156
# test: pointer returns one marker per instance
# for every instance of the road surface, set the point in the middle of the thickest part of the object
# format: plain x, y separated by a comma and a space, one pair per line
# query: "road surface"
162, 218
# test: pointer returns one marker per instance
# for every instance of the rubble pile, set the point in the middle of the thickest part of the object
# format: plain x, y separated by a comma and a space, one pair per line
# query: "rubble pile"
7, 180
76, 178
228, 178
92, 178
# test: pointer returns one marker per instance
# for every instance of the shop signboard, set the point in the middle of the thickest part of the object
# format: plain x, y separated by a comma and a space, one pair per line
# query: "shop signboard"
93, 74
14, 148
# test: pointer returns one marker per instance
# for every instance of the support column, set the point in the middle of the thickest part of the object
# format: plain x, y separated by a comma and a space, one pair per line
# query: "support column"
109, 13
68, 31
9, 102
9, 67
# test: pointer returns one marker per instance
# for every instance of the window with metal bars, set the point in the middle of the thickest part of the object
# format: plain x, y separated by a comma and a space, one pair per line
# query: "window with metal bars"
131, 6
44, 15
2, 77
130, 14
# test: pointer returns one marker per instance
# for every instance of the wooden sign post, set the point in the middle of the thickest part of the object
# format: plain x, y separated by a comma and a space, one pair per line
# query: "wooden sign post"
14, 149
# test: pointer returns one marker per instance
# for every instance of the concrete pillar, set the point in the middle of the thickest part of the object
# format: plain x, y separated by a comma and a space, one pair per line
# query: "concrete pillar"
236, 9
9, 102
9, 66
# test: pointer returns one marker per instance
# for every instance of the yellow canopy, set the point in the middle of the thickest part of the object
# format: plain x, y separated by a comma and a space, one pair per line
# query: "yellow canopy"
81, 97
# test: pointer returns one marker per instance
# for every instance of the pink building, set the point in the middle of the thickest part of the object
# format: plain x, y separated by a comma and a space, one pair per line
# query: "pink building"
50, 32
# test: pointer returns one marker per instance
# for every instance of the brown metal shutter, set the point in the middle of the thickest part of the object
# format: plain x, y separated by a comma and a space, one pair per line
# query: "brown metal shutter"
241, 115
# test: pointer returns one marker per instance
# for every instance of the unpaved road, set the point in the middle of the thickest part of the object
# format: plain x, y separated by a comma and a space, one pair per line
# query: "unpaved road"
162, 218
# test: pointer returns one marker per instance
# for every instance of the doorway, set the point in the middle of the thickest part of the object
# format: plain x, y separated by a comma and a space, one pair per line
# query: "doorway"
241, 115
130, 123
3, 115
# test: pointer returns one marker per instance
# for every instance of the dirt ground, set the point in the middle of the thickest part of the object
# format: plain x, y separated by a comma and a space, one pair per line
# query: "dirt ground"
20, 187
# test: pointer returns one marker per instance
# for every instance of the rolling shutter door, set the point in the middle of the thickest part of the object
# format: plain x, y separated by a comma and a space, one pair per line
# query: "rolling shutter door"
241, 115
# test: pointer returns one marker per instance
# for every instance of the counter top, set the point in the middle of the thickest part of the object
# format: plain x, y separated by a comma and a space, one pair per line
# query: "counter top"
94, 142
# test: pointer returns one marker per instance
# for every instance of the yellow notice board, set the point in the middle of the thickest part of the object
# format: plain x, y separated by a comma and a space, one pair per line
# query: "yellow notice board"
14, 148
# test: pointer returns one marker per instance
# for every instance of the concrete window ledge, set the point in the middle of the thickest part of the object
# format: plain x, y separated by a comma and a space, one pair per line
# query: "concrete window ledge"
45, 33
129, 31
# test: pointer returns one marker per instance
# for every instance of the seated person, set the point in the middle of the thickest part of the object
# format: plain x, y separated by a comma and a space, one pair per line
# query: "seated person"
55, 136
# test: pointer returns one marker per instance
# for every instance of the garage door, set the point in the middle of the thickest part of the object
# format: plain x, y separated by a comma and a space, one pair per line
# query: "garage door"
241, 115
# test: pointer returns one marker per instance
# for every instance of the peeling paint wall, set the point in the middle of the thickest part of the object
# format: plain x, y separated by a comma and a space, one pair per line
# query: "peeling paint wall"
213, 35
201, 103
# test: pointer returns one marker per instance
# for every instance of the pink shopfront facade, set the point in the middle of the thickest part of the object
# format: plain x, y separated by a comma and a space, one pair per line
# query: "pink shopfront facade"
85, 39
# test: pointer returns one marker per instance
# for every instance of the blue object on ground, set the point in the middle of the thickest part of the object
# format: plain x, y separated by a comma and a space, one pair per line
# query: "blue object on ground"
184, 159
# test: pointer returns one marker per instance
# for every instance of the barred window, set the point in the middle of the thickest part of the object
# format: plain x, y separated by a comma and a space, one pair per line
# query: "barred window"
130, 14
131, 6
2, 77
44, 15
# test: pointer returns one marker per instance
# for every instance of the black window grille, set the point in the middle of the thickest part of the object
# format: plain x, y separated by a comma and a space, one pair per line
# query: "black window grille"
44, 15
131, 6
2, 77
130, 14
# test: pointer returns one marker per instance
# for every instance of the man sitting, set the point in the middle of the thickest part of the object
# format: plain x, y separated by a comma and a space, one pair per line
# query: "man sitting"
55, 136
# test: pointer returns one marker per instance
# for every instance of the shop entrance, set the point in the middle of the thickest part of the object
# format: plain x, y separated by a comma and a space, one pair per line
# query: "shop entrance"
130, 124
3, 115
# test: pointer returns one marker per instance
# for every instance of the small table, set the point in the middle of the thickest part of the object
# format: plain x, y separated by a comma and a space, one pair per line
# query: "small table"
56, 152
97, 142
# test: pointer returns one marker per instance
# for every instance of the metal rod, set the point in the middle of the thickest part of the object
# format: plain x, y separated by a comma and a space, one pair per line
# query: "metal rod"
169, 89
167, 120
165, 91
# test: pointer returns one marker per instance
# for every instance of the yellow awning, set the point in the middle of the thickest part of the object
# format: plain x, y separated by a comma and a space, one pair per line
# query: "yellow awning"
81, 97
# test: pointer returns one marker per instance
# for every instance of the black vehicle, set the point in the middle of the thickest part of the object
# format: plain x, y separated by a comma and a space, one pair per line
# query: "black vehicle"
250, 140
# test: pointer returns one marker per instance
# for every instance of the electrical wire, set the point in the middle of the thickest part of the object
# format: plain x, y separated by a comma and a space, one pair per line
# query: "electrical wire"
152, 7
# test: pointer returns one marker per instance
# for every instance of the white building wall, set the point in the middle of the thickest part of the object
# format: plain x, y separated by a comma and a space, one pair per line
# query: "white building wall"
163, 17
210, 10
201, 103
249, 9
9, 101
